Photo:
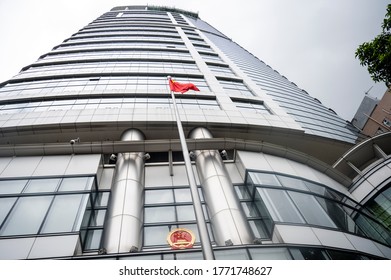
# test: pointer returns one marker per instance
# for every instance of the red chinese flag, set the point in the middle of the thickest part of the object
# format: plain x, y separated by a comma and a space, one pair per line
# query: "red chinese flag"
181, 87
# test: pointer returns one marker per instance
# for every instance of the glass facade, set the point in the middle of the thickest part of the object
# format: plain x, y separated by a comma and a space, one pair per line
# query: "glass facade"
90, 154
269, 199
166, 209
380, 206
53, 206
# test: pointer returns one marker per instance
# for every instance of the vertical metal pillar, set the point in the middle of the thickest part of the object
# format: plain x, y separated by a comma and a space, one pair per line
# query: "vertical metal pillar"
123, 232
228, 221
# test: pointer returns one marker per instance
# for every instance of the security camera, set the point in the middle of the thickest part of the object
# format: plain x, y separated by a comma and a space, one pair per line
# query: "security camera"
192, 155
224, 154
73, 141
113, 158
146, 156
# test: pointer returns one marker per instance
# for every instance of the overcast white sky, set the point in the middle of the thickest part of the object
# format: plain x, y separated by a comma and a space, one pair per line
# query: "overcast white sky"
311, 42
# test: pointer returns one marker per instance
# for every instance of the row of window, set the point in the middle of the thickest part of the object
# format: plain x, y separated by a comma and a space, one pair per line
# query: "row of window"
122, 39
166, 209
268, 198
219, 69
125, 45
252, 107
108, 103
128, 32
105, 54
53, 206
129, 66
281, 90
254, 253
64, 205
126, 103
236, 88
135, 83
156, 28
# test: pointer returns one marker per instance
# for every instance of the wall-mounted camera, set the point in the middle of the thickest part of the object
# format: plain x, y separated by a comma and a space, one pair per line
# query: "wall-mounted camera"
73, 141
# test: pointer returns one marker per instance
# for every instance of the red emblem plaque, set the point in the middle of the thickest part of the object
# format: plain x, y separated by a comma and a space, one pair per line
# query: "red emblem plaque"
181, 238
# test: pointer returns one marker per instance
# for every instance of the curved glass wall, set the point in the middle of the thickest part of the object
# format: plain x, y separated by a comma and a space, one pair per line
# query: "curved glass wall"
110, 66
380, 206
270, 198
108, 103
117, 54
96, 83
312, 116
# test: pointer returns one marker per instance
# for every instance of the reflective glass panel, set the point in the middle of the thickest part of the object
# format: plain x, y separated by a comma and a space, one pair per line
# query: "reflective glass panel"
280, 206
190, 256
27, 215
270, 254
249, 209
159, 214
5, 206
185, 213
156, 235
141, 257
259, 229
98, 218
63, 214
182, 195
42, 185
294, 183
265, 179
311, 209
102, 199
242, 192
11, 187
239, 254
159, 196
76, 184
308, 254
93, 239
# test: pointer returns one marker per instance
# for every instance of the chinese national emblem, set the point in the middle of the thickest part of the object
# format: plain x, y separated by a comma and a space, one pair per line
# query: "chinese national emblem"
181, 238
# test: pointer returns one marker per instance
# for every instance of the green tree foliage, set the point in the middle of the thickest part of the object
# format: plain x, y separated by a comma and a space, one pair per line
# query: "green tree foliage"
376, 54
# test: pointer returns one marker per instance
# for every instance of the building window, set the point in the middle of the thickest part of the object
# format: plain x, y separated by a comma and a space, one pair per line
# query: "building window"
166, 209
51, 206
269, 198
152, 102
93, 223
234, 87
221, 69
252, 106
380, 206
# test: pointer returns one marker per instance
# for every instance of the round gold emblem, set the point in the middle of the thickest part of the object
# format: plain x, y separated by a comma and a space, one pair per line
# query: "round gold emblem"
181, 238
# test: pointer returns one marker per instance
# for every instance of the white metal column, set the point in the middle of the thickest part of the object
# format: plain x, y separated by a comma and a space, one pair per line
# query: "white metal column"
228, 221
123, 232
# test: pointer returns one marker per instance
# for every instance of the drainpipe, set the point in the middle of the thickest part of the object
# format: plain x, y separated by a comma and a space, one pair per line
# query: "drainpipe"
228, 221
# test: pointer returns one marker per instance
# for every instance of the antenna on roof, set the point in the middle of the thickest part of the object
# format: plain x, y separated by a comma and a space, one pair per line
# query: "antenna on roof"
366, 93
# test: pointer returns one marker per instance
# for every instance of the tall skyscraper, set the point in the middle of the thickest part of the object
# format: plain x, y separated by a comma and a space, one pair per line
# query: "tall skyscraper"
92, 166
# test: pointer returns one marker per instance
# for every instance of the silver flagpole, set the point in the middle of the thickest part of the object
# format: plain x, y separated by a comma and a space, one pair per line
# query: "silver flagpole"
201, 223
